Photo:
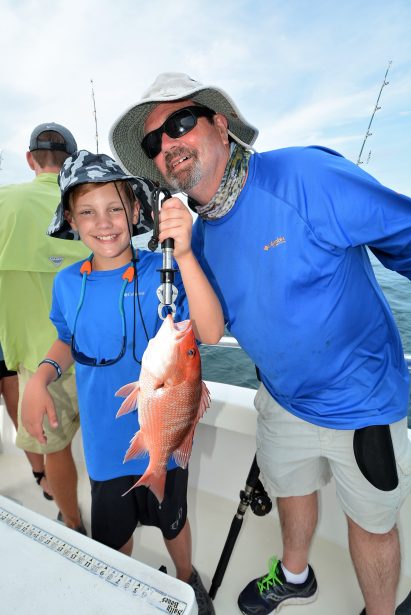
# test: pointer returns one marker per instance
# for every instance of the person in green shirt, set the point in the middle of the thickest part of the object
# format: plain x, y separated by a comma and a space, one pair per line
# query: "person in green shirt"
9, 391
29, 260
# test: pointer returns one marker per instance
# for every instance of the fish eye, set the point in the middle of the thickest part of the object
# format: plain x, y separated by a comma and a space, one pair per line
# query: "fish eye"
191, 352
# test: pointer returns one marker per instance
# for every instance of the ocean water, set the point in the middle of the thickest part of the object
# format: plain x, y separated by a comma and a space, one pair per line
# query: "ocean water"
232, 365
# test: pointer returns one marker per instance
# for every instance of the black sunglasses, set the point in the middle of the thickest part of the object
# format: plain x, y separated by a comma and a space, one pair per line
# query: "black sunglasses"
176, 125
79, 356
82, 358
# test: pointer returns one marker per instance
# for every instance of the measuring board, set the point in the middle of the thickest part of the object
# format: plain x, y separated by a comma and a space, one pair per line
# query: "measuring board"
47, 568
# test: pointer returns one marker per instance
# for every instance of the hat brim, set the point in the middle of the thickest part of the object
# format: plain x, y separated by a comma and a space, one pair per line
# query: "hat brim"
127, 131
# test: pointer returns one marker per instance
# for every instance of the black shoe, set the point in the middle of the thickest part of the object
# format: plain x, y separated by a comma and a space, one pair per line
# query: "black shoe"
39, 477
204, 602
80, 528
405, 607
269, 593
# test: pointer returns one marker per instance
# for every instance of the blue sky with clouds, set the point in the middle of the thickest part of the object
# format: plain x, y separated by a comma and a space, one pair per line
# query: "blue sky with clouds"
302, 71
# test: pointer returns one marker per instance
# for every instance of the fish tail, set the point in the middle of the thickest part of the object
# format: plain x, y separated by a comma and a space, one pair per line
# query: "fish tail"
155, 481
132, 391
131, 489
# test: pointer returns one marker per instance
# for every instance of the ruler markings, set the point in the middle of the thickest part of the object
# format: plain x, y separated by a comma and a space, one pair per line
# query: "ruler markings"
114, 576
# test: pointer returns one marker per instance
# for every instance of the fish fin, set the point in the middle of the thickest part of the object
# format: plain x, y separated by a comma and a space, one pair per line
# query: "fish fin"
204, 402
125, 390
132, 391
155, 481
182, 453
137, 447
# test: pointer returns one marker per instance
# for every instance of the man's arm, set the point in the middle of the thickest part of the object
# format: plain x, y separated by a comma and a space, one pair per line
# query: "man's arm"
205, 309
347, 207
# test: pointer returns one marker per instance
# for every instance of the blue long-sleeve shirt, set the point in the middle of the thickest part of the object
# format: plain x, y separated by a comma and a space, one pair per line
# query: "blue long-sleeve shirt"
291, 268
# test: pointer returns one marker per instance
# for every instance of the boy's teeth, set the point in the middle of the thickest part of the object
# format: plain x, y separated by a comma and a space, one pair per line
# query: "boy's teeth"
105, 237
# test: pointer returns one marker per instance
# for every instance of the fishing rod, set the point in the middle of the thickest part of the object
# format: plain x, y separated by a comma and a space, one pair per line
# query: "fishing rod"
376, 108
94, 112
166, 292
253, 495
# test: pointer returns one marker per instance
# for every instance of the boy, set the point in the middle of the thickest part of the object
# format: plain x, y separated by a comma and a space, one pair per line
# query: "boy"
105, 311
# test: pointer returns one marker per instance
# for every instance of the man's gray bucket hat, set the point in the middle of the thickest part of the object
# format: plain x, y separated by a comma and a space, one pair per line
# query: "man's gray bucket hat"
83, 167
127, 131
69, 146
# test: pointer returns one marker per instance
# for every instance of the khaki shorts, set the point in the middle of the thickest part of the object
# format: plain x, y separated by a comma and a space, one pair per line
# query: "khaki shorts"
64, 395
297, 458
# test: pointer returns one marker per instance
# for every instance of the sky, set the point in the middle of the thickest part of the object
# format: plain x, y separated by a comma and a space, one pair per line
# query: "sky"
304, 72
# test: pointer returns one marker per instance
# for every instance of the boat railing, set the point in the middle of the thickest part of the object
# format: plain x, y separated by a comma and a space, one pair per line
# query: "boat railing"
231, 342
227, 342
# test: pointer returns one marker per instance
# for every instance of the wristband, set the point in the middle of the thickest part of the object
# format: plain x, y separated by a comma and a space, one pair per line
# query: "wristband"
54, 364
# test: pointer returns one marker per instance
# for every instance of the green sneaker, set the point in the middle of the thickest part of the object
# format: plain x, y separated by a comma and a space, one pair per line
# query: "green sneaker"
269, 593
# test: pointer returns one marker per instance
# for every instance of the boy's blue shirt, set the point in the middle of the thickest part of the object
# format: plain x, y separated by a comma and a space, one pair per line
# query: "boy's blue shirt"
99, 334
291, 269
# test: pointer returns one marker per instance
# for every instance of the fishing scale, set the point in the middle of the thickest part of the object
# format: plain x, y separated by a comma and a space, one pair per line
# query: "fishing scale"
166, 292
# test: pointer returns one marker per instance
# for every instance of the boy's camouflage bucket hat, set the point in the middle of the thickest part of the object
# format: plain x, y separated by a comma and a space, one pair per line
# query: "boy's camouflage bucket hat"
83, 167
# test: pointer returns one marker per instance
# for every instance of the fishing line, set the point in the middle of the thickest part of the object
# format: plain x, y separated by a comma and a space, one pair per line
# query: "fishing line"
134, 261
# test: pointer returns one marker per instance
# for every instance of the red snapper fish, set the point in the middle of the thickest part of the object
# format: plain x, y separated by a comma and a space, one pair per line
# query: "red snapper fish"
171, 398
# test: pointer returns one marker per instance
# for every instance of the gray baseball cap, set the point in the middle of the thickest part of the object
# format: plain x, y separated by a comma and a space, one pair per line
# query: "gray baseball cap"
69, 146
84, 167
127, 131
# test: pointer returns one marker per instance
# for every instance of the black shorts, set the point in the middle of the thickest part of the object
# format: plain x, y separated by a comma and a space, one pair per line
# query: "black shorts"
4, 372
114, 518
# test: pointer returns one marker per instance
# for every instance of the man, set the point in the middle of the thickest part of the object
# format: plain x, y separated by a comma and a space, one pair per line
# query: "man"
282, 237
29, 260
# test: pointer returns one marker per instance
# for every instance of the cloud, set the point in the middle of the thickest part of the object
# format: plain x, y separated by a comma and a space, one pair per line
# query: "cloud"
301, 71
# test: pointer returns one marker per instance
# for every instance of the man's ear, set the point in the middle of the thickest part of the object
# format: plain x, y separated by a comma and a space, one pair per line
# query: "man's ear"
135, 211
221, 123
30, 160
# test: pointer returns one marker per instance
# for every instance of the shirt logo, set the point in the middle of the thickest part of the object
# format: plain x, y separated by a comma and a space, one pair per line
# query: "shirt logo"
274, 243
140, 293
56, 260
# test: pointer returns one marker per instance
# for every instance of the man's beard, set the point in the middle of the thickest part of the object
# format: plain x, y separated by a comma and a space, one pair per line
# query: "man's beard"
183, 180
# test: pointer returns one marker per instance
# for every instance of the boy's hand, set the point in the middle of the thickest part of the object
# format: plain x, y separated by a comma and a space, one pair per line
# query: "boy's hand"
176, 223
36, 404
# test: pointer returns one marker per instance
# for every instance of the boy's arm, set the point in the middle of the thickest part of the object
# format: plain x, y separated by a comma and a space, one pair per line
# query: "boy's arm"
37, 401
205, 309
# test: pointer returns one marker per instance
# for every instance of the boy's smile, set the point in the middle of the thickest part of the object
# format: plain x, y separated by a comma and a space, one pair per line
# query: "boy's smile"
99, 217
106, 237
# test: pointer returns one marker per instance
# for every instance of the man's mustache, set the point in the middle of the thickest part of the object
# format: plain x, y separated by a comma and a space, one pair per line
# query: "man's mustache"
177, 153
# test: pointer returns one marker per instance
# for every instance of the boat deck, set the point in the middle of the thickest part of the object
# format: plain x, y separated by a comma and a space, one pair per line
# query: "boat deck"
210, 517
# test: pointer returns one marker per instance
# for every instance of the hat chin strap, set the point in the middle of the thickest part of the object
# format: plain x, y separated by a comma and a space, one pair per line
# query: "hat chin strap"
238, 140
